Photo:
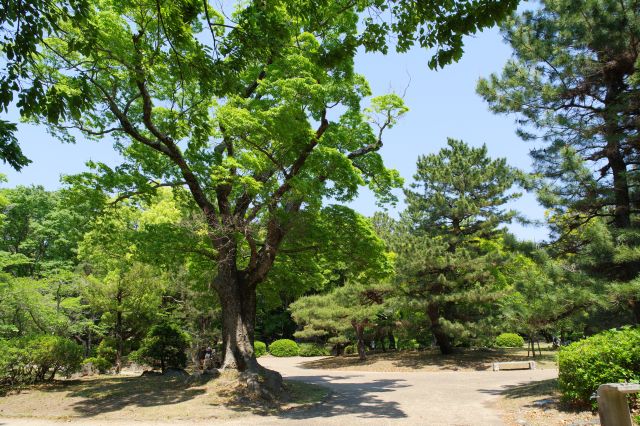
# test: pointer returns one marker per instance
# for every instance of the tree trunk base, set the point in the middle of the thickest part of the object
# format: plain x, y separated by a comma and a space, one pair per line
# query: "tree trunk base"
262, 383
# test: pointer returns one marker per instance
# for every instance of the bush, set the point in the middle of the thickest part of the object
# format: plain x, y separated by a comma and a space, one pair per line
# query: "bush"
165, 346
404, 344
99, 363
608, 357
350, 350
509, 340
309, 349
283, 347
107, 350
259, 348
36, 359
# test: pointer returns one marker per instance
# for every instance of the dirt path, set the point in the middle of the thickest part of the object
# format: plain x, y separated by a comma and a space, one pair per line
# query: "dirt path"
373, 398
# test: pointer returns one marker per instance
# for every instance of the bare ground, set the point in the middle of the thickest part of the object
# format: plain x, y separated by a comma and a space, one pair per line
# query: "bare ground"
408, 388
147, 398
432, 360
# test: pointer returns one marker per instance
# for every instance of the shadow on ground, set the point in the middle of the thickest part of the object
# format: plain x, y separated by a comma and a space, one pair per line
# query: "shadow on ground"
539, 394
360, 399
116, 393
463, 359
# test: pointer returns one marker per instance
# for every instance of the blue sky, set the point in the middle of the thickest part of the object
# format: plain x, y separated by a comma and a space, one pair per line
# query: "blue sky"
442, 104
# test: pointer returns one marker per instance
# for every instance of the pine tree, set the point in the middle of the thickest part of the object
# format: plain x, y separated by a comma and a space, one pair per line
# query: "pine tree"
449, 251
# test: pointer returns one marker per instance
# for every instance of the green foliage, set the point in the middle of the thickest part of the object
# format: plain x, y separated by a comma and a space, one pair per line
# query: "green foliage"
559, 71
350, 349
259, 348
107, 351
509, 340
407, 344
37, 358
284, 348
165, 345
448, 244
312, 349
99, 363
609, 357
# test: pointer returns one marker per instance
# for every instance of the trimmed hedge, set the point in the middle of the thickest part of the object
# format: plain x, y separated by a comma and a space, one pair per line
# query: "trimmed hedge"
283, 347
309, 349
509, 340
259, 348
609, 357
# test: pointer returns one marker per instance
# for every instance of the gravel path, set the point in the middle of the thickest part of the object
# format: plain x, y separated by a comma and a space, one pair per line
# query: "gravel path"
376, 398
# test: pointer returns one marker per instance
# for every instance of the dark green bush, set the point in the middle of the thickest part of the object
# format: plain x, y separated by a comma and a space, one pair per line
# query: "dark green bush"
310, 349
259, 348
509, 340
283, 347
164, 346
99, 363
608, 357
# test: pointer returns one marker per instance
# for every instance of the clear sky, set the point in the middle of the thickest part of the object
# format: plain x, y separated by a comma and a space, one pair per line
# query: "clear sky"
442, 104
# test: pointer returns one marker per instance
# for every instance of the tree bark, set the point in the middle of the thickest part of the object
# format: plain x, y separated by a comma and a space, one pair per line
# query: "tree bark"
362, 350
622, 200
443, 340
238, 325
119, 332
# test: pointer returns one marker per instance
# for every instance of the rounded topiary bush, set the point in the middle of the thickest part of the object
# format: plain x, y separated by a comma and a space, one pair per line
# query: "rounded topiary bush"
283, 347
259, 348
509, 340
309, 349
609, 357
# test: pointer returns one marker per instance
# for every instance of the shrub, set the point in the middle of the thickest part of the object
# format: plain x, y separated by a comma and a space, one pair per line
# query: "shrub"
283, 347
259, 348
309, 349
350, 350
107, 350
404, 344
37, 358
509, 340
165, 346
99, 363
608, 357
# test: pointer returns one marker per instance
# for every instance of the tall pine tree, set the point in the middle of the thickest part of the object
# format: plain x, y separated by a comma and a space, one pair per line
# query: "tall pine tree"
450, 258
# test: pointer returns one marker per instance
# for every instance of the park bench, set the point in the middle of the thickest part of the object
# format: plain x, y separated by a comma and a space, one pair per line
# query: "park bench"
514, 365
612, 403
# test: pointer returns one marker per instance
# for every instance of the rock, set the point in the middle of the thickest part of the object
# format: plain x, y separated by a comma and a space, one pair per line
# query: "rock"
175, 372
148, 373
543, 402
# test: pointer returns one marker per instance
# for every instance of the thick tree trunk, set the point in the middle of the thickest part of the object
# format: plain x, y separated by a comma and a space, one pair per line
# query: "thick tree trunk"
362, 350
443, 340
622, 200
238, 325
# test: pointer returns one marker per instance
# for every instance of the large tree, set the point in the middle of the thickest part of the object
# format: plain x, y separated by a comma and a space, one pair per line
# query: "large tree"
449, 244
573, 84
257, 115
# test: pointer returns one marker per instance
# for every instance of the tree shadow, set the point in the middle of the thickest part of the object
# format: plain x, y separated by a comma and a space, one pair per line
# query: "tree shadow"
361, 399
539, 394
113, 394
